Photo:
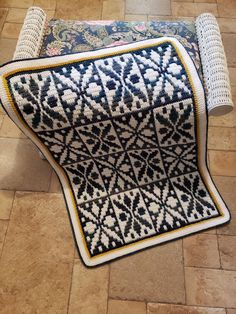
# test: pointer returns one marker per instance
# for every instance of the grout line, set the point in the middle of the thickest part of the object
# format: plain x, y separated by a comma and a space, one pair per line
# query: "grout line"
218, 246
4, 241
185, 291
72, 272
108, 285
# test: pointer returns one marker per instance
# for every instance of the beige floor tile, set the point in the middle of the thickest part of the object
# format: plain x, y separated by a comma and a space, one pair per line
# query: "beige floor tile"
1, 120
229, 281
136, 7
11, 30
222, 138
79, 9
210, 287
2, 112
226, 186
6, 200
183, 9
232, 71
113, 10
39, 229
34, 287
9, 129
206, 7
21, 167
201, 250
205, 1
159, 7
89, 289
3, 14
227, 8
3, 230
228, 120
153, 308
229, 41
161, 18
16, 3
46, 4
55, 186
50, 14
126, 307
227, 25
227, 247
135, 17
223, 163
231, 311
7, 49
229, 228
183, 0
155, 275
210, 231
204, 287
16, 15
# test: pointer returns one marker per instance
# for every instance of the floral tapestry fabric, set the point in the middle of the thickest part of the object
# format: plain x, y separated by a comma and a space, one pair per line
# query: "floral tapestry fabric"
63, 37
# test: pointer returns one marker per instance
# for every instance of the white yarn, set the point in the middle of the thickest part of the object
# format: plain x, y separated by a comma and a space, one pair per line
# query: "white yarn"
214, 65
31, 35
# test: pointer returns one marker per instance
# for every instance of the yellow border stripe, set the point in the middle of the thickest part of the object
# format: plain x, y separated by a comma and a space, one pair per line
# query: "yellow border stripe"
52, 161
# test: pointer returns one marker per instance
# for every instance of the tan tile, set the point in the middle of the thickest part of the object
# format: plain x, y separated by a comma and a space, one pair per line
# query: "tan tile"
11, 30
206, 8
50, 14
135, 17
55, 186
231, 311
210, 287
126, 307
227, 247
229, 41
232, 71
16, 3
46, 4
3, 14
3, 230
227, 25
204, 287
89, 289
113, 10
222, 138
201, 250
153, 308
39, 228
229, 283
2, 112
155, 275
16, 15
159, 7
7, 49
205, 1
79, 9
228, 120
226, 185
21, 167
1, 120
137, 7
9, 129
223, 163
6, 200
183, 0
183, 9
34, 287
161, 18
227, 8
210, 231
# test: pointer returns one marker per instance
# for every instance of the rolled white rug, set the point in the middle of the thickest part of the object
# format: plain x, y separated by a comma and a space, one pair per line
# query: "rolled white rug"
214, 65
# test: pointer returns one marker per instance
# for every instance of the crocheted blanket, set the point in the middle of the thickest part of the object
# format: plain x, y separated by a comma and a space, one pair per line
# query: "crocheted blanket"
125, 130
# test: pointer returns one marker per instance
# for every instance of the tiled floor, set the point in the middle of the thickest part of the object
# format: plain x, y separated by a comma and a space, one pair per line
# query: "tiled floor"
40, 270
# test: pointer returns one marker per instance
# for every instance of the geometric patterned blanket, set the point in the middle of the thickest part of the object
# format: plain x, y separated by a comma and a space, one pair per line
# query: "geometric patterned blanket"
125, 130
